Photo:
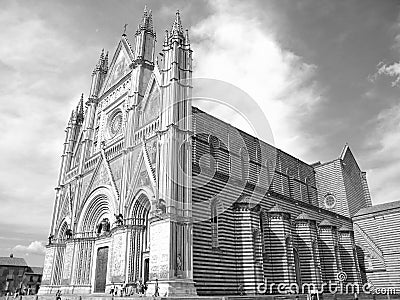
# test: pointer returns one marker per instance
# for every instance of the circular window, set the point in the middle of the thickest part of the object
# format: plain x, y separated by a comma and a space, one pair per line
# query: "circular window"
115, 123
330, 201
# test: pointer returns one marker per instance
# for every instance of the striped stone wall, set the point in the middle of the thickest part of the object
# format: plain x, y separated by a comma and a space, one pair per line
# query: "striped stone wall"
348, 255
306, 243
279, 247
377, 237
329, 252
257, 231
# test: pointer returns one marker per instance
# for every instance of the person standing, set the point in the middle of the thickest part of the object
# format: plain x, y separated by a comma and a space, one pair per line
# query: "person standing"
156, 289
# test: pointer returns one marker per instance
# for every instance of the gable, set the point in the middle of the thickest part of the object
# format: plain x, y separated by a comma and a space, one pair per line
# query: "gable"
100, 178
120, 65
349, 160
143, 174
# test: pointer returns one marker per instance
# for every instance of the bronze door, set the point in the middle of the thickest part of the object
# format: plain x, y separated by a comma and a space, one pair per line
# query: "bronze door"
146, 270
101, 270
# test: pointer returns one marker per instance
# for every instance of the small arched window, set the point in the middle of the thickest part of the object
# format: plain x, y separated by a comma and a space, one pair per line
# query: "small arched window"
270, 171
244, 164
214, 146
214, 207
308, 190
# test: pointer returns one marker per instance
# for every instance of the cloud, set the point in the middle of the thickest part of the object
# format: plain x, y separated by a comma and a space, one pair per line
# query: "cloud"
34, 60
385, 162
35, 247
233, 45
391, 70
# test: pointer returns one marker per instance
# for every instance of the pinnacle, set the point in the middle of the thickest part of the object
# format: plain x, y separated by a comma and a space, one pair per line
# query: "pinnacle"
187, 40
177, 26
79, 110
166, 37
105, 62
147, 21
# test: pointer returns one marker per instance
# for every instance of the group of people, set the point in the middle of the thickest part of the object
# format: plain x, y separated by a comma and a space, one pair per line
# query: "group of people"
20, 292
137, 288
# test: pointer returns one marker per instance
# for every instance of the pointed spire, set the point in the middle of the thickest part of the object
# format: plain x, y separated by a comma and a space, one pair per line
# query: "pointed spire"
79, 110
81, 105
150, 20
187, 40
166, 37
147, 21
105, 63
177, 28
72, 117
100, 62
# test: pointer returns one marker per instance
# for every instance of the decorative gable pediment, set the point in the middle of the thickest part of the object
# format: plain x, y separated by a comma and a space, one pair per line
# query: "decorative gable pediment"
143, 174
100, 177
120, 65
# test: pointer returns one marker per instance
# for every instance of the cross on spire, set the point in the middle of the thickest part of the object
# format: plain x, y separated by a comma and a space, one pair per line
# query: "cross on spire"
124, 33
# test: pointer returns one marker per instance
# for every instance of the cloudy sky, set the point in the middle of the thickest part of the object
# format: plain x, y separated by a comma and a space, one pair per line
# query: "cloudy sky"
324, 73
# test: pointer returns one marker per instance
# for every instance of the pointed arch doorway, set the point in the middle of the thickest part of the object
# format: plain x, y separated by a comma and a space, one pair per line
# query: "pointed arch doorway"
139, 260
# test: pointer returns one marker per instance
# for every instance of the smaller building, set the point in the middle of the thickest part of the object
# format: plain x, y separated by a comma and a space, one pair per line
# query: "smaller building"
377, 236
17, 276
33, 278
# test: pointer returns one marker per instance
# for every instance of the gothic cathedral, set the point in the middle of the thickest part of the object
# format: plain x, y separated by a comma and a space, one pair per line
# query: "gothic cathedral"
156, 191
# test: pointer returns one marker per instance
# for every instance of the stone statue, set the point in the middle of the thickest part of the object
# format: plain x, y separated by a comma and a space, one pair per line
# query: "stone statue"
119, 219
160, 206
103, 227
179, 263
68, 233
51, 236
98, 228
179, 266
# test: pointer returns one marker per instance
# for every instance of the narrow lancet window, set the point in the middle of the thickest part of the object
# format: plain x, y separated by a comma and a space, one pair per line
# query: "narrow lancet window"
214, 223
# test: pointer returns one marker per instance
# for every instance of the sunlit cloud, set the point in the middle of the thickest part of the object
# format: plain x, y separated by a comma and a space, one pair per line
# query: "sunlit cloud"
231, 44
383, 179
35, 247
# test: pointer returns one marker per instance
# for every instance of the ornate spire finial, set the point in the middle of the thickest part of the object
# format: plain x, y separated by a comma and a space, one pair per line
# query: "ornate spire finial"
105, 67
147, 20
72, 117
100, 62
177, 28
79, 110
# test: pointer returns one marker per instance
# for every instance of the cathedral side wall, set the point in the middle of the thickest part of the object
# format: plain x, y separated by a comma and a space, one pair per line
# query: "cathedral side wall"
378, 244
220, 270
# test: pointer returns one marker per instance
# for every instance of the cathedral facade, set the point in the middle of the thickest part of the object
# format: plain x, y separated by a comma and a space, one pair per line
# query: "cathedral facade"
152, 189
